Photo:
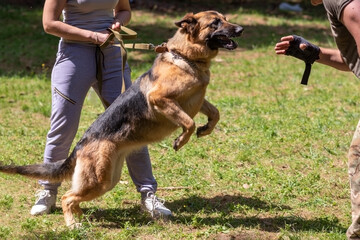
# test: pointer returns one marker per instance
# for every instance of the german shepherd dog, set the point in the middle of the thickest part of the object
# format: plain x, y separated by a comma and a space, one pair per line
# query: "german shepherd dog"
166, 97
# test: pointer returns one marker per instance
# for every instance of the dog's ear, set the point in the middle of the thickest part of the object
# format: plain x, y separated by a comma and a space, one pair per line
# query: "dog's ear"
188, 23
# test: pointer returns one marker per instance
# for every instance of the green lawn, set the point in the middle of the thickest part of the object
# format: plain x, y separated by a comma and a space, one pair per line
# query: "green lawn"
274, 168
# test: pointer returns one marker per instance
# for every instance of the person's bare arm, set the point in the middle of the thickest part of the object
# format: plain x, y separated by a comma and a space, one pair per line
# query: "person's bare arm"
53, 25
350, 17
327, 56
122, 14
332, 58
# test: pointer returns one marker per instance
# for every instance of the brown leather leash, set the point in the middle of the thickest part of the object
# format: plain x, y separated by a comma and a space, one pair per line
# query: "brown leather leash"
116, 38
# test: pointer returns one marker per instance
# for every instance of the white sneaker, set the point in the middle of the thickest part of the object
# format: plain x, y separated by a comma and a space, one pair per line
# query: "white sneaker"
45, 202
155, 206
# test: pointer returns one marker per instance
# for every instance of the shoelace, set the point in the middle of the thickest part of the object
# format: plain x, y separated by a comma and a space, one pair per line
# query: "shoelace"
41, 194
156, 202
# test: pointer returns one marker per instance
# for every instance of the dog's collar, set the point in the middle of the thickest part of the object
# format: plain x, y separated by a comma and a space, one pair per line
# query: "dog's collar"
176, 55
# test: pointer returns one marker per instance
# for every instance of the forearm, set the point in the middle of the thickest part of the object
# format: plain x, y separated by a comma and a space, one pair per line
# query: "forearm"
53, 25
122, 12
123, 17
60, 29
332, 58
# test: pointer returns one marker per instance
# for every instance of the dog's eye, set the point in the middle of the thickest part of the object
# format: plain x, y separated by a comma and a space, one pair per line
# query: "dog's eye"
215, 23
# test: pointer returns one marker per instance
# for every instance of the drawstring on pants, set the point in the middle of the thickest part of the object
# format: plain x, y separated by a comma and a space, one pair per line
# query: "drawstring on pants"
100, 64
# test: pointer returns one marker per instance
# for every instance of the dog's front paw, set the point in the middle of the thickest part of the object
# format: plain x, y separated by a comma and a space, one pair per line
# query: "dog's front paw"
203, 131
176, 145
179, 142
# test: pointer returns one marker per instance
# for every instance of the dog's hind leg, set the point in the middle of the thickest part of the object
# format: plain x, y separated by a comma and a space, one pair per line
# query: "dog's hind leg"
71, 200
70, 205
96, 172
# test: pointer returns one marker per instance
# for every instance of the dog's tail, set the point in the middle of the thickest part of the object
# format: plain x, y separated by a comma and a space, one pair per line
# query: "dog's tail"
53, 172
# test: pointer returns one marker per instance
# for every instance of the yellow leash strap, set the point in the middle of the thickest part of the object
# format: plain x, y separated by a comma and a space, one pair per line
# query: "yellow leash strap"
116, 39
143, 46
130, 34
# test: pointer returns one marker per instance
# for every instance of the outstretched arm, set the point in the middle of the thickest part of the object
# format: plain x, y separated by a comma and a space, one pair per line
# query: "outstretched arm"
351, 19
327, 56
332, 58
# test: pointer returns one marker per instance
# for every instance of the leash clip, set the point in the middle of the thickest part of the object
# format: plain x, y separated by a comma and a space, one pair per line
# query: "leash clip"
151, 46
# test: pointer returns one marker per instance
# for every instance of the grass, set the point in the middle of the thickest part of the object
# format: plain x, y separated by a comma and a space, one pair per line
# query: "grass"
274, 168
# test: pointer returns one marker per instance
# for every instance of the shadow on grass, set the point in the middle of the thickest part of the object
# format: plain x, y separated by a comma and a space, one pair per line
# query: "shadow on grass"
225, 205
191, 211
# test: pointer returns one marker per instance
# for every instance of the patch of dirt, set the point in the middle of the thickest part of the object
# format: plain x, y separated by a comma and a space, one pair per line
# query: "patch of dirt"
245, 235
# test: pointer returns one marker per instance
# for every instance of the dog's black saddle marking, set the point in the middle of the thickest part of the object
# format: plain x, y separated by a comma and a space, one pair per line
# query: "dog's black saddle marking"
120, 118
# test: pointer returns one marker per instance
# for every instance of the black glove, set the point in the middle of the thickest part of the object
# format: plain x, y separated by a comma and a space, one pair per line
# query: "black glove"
309, 55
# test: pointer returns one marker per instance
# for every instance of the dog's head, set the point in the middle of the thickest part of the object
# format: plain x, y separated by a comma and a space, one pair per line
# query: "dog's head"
211, 29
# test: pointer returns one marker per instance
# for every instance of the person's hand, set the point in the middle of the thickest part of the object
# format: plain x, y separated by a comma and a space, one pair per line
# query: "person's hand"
298, 47
100, 37
116, 26
283, 45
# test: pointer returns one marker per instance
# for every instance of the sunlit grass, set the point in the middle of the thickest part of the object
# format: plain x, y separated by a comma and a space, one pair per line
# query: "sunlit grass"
274, 167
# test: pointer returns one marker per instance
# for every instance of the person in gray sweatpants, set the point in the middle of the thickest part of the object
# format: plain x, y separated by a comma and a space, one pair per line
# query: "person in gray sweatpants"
73, 74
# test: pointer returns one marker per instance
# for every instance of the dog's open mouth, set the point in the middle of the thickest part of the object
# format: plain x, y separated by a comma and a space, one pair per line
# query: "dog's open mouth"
225, 42
223, 39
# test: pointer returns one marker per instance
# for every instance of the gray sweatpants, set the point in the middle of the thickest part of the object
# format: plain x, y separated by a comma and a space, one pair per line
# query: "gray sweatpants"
73, 74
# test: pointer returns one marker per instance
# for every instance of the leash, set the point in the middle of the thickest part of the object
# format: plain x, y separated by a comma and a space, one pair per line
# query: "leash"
119, 37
